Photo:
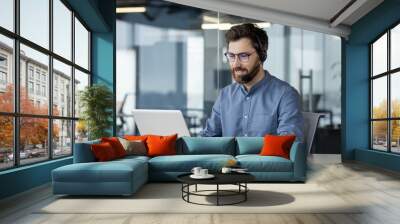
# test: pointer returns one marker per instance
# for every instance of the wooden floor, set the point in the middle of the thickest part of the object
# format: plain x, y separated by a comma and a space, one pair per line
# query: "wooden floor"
377, 188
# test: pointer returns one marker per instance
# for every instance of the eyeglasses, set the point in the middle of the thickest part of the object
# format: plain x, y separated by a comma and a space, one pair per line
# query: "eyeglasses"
243, 57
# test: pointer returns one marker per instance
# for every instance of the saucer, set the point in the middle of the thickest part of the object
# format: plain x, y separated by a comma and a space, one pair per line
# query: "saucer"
208, 176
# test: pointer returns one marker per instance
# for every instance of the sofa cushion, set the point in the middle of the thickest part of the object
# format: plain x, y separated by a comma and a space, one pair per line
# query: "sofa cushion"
116, 145
185, 163
135, 147
257, 163
103, 152
83, 152
207, 145
161, 145
111, 171
249, 145
277, 145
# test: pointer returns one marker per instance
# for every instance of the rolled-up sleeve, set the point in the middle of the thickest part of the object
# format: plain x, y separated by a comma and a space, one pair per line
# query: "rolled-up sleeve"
290, 119
213, 125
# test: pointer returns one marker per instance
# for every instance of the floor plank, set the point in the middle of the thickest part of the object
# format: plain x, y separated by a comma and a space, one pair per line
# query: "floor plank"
376, 189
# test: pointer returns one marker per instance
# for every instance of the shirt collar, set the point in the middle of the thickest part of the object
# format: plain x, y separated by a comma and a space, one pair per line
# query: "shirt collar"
262, 82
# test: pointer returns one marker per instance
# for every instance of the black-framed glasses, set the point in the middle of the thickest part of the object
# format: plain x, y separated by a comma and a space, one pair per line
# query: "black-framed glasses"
243, 57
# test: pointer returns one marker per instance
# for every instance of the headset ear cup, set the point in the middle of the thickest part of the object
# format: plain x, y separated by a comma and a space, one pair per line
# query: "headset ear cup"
263, 56
263, 52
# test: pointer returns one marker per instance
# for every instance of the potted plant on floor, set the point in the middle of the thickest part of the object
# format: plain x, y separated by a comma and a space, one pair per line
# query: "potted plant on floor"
96, 103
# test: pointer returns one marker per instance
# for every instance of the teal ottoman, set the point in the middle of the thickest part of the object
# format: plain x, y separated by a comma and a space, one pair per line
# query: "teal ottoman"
118, 177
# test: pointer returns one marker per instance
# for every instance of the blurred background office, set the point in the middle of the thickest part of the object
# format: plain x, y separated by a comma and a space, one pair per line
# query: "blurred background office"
170, 56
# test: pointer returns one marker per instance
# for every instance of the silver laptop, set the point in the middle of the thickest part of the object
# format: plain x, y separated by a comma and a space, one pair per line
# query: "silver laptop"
160, 122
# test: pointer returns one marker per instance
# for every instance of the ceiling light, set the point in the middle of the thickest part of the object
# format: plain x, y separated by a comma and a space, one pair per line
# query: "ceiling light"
227, 26
220, 26
131, 9
264, 25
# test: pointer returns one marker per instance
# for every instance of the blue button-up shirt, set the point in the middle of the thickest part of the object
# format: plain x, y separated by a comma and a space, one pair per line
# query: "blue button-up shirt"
271, 106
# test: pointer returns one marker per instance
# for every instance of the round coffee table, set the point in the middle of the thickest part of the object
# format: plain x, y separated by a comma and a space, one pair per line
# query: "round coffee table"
238, 179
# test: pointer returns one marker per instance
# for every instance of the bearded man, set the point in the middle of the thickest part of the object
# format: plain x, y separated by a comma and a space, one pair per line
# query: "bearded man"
257, 103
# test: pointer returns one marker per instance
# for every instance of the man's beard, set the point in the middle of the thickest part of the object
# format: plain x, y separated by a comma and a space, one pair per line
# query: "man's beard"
246, 78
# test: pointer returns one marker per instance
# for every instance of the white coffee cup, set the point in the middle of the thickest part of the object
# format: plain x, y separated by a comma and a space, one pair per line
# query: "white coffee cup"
196, 170
203, 172
226, 170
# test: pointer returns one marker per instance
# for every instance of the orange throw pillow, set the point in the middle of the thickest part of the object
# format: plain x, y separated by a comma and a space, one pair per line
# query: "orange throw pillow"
161, 145
277, 145
103, 151
116, 145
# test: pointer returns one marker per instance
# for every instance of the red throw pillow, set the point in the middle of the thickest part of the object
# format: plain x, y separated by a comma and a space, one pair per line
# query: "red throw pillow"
103, 151
116, 145
161, 145
277, 145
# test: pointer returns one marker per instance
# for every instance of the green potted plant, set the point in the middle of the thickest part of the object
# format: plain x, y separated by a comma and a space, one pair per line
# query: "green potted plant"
96, 103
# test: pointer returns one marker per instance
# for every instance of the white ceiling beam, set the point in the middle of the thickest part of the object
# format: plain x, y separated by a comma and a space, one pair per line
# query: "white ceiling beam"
268, 15
347, 12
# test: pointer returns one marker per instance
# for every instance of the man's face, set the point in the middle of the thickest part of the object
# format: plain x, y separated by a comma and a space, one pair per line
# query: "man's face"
244, 71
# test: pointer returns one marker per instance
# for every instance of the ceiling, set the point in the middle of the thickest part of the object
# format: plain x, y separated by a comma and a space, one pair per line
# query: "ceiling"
326, 16
318, 9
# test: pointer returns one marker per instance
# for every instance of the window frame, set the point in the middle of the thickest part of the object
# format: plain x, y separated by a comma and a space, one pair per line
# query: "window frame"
16, 114
388, 74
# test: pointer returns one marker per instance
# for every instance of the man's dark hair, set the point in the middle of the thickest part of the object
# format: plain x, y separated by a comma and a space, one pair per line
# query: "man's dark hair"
258, 37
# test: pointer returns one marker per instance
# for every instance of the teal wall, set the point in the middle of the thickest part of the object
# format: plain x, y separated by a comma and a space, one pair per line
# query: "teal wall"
24, 178
99, 16
355, 101
103, 53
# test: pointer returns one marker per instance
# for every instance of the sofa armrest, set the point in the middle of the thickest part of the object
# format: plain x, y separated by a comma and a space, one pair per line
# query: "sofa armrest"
299, 158
83, 152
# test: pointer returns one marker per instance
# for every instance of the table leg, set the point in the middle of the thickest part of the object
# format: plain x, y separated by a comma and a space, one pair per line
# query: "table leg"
196, 188
188, 190
217, 194
245, 193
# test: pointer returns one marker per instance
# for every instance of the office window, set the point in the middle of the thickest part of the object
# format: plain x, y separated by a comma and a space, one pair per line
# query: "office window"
34, 145
40, 63
62, 137
6, 71
81, 81
45, 131
6, 142
7, 14
62, 29
385, 95
379, 56
35, 21
395, 47
62, 74
81, 45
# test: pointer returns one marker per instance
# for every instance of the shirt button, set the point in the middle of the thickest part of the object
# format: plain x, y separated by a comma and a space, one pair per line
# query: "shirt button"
245, 116
247, 98
245, 135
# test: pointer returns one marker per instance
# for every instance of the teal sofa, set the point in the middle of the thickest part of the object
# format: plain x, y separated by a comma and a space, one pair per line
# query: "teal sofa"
125, 176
